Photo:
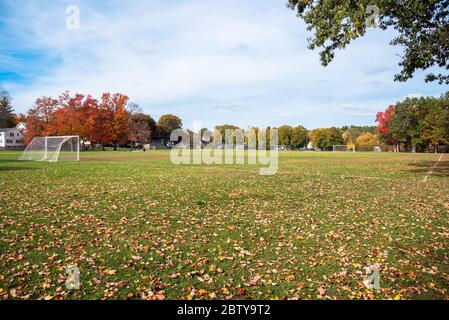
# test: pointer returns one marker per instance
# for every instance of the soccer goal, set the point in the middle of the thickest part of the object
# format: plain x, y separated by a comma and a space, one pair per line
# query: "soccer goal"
343, 148
53, 149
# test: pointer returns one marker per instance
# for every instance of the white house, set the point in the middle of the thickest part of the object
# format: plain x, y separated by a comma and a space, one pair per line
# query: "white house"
11, 138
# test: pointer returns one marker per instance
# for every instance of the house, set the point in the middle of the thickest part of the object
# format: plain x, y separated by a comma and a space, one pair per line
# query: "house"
11, 138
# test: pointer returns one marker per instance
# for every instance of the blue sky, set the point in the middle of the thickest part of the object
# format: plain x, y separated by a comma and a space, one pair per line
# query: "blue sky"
236, 61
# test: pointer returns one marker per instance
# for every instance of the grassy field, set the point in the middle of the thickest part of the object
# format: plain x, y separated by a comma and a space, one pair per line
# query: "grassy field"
139, 227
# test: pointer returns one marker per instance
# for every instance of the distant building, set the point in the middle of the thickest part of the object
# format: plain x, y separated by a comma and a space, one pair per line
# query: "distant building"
11, 138
310, 145
157, 144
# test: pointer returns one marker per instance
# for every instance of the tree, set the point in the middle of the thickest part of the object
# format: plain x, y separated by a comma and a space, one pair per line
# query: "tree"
298, 138
383, 128
285, 134
7, 116
435, 125
105, 122
348, 138
139, 131
416, 122
351, 133
222, 129
40, 119
422, 27
367, 139
20, 118
405, 124
166, 124
325, 138
99, 124
118, 117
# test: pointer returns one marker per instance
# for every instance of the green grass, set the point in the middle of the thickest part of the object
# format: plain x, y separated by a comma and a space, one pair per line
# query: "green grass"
139, 227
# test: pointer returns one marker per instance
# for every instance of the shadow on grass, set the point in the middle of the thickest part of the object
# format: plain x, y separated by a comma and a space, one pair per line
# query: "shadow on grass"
433, 168
12, 168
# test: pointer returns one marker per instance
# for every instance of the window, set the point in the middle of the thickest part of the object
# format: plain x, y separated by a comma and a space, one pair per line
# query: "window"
11, 134
19, 141
9, 141
18, 134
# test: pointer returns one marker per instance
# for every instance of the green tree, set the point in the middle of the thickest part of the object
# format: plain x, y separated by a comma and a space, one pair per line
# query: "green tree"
405, 124
166, 124
285, 134
325, 138
422, 28
7, 116
298, 138
435, 125
222, 129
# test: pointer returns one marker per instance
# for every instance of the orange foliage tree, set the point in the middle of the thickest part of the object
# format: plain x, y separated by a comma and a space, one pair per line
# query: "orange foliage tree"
104, 122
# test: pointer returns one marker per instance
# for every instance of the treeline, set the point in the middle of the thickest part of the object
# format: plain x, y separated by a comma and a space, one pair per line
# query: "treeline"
113, 120
110, 120
415, 124
299, 137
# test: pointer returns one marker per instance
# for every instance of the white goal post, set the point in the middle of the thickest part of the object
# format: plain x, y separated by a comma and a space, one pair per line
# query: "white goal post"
53, 149
343, 148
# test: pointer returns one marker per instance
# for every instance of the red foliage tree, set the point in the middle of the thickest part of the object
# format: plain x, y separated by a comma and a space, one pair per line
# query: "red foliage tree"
40, 118
383, 120
105, 122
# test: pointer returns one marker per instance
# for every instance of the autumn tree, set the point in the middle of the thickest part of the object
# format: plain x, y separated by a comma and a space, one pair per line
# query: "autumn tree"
20, 118
139, 130
117, 117
105, 122
41, 118
351, 133
367, 139
383, 128
422, 29
416, 123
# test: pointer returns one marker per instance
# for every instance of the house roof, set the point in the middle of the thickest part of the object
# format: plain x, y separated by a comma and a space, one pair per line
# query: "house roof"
8, 129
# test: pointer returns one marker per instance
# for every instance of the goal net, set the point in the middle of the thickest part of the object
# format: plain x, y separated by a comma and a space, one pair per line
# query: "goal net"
343, 148
53, 149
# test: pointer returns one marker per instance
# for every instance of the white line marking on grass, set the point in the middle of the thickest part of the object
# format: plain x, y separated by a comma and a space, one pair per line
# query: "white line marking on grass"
433, 168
